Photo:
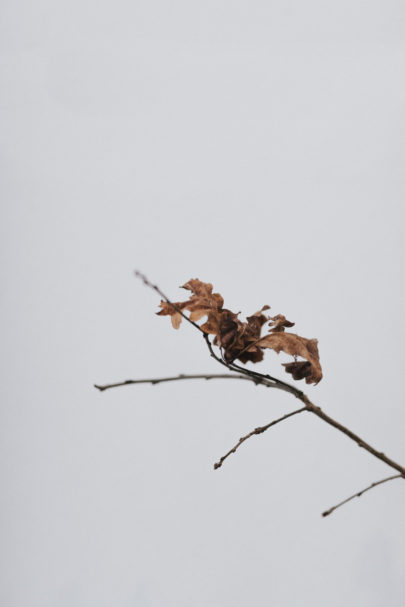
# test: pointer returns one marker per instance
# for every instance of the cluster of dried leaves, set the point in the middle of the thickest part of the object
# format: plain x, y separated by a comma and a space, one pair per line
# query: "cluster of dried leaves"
242, 341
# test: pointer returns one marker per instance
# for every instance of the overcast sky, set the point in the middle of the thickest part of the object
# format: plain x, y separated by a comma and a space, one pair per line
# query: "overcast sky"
255, 145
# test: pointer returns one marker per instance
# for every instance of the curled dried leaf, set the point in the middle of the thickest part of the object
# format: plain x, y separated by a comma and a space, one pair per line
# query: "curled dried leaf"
296, 346
279, 323
299, 369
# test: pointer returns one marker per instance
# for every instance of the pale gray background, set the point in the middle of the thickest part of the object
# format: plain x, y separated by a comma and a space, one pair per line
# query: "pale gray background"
257, 145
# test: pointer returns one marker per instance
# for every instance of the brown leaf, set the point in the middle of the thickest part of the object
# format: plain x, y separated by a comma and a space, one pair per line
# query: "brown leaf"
238, 338
279, 322
169, 309
296, 346
299, 369
200, 304
251, 334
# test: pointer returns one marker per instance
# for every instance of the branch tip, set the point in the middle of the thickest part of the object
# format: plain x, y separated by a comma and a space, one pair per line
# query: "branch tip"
360, 493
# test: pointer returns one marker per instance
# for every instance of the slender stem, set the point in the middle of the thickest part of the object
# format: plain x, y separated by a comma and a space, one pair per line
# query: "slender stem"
159, 380
384, 480
259, 430
354, 437
282, 385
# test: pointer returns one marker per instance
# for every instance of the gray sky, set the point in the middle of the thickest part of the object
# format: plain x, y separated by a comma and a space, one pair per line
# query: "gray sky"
255, 145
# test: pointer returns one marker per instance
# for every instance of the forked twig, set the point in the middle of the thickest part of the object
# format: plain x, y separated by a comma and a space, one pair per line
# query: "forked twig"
259, 430
384, 480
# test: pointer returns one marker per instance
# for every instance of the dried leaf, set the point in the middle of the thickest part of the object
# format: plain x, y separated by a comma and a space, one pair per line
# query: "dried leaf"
299, 369
169, 309
279, 322
200, 304
296, 346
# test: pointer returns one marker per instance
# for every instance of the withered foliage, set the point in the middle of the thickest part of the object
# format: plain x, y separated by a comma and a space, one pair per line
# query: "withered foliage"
243, 341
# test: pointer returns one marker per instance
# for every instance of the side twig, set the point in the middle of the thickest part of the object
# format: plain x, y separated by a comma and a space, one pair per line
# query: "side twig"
259, 430
159, 380
384, 480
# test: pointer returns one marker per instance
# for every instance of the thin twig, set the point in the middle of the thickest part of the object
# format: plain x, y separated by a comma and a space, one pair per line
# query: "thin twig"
281, 385
384, 480
159, 380
259, 430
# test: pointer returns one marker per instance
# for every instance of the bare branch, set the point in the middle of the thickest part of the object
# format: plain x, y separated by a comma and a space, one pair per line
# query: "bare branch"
267, 380
259, 430
384, 480
207, 376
